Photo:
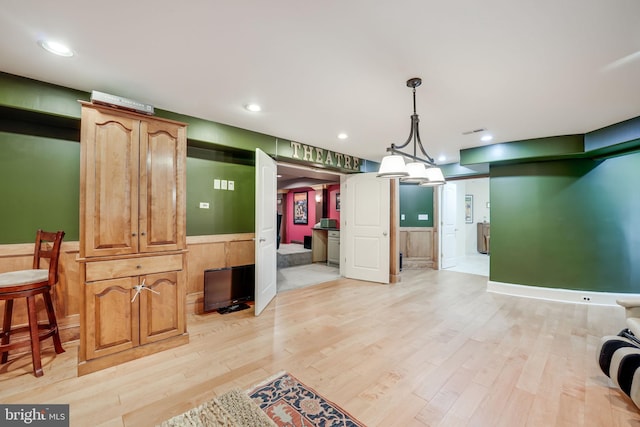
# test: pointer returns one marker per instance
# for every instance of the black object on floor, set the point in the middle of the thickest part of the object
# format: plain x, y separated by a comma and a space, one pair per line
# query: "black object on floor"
232, 308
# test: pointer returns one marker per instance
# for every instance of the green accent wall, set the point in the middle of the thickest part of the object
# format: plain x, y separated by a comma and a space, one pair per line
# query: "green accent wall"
229, 211
415, 200
571, 224
40, 162
553, 147
40, 187
41, 180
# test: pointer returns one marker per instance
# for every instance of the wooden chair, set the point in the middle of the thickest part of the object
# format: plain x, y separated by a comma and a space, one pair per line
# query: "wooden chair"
27, 284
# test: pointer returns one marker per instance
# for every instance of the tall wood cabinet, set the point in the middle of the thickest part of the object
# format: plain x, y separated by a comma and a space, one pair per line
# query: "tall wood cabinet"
132, 236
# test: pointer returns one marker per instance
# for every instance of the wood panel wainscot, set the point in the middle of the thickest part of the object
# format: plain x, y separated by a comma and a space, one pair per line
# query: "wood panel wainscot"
203, 252
215, 251
417, 247
65, 293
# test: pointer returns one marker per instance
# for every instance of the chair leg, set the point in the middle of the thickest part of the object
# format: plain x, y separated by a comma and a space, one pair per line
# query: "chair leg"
53, 324
35, 338
6, 328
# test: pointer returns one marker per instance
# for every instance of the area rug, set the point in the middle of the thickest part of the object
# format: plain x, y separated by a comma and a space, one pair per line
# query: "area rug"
232, 409
290, 403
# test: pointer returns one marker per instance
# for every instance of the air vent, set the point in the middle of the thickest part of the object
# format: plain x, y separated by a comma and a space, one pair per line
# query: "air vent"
469, 132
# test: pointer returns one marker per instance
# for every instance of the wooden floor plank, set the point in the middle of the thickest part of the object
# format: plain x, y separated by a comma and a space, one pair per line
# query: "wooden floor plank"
435, 349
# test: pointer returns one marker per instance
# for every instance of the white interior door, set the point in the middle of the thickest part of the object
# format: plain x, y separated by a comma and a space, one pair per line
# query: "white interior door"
266, 193
365, 212
449, 218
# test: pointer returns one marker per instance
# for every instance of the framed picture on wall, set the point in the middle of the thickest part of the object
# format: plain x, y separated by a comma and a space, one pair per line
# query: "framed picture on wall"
300, 208
337, 201
468, 208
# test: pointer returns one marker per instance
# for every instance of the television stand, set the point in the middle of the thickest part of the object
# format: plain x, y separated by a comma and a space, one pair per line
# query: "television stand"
233, 308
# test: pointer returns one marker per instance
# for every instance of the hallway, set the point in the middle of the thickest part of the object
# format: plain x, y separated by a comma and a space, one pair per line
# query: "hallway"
472, 264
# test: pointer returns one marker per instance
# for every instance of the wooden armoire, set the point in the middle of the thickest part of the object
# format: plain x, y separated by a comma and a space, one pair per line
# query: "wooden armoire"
132, 236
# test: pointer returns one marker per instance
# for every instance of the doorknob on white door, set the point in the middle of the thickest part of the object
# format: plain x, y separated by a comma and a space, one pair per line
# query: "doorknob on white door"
384, 233
262, 240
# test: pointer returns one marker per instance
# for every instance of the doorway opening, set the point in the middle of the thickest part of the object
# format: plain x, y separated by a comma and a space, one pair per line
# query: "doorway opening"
471, 222
306, 198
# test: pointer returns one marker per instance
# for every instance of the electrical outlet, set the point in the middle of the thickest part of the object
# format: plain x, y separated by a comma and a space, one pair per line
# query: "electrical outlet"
204, 205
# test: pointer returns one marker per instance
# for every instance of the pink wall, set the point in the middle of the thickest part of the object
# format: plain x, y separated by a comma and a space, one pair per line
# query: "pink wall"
296, 232
333, 213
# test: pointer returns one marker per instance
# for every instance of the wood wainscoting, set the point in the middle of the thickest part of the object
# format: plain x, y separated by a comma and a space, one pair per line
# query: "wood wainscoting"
217, 251
65, 294
416, 246
204, 252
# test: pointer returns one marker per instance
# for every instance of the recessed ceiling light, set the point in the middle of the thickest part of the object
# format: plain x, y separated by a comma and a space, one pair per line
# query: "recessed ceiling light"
486, 138
56, 48
254, 108
343, 135
442, 158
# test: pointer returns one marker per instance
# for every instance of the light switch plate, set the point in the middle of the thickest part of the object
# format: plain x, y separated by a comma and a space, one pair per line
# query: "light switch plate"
216, 184
223, 184
231, 185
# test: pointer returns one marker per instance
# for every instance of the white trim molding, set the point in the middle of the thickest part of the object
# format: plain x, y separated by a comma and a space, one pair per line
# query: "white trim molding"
558, 294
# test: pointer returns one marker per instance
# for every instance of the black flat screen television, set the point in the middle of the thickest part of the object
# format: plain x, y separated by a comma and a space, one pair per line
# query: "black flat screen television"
228, 287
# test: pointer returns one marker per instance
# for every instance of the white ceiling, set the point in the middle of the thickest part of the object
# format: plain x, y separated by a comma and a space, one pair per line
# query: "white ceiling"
521, 69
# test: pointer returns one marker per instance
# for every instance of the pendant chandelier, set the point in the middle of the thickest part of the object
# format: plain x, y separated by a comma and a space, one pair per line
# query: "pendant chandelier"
419, 170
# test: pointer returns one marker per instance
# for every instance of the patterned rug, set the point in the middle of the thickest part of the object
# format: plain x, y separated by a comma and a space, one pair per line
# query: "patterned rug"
289, 403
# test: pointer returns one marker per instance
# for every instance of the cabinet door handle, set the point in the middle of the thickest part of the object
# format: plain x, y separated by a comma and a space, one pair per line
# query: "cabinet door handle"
142, 287
138, 289
142, 234
133, 234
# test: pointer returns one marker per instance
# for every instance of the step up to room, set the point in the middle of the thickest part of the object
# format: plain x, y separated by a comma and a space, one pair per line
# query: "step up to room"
292, 255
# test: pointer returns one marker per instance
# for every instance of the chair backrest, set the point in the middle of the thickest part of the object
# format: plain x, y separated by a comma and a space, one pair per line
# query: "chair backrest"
48, 246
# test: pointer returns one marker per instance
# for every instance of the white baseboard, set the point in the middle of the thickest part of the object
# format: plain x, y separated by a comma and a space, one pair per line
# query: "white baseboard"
557, 294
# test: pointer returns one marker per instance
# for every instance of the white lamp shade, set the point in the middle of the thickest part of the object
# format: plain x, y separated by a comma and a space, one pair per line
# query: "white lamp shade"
392, 167
435, 177
417, 173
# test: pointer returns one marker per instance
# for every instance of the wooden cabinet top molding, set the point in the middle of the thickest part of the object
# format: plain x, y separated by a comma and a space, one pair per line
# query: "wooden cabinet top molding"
127, 113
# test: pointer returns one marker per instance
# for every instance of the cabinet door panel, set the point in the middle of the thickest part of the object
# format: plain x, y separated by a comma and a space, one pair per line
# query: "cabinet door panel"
110, 161
162, 148
162, 311
112, 319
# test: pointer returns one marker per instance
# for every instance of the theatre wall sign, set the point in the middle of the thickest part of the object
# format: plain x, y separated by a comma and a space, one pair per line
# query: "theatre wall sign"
319, 157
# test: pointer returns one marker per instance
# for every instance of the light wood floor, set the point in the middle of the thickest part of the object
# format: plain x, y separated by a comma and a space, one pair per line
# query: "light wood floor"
433, 350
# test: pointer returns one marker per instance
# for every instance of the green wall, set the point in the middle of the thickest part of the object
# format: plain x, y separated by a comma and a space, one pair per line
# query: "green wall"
571, 224
41, 180
415, 200
39, 187
40, 163
229, 211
